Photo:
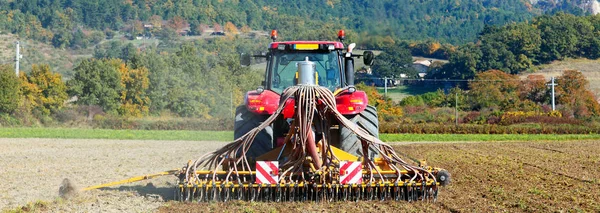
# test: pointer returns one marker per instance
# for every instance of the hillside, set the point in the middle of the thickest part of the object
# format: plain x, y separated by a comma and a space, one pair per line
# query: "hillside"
64, 23
588, 67
35, 52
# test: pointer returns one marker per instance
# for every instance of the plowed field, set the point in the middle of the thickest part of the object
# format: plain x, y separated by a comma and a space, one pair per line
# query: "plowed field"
486, 177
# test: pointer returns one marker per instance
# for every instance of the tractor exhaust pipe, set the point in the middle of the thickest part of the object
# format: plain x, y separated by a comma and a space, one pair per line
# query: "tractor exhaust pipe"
349, 65
349, 71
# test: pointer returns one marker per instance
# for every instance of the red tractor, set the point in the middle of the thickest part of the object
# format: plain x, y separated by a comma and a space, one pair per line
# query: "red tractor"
334, 66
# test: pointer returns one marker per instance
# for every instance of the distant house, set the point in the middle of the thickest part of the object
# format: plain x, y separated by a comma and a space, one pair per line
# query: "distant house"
422, 67
219, 33
366, 71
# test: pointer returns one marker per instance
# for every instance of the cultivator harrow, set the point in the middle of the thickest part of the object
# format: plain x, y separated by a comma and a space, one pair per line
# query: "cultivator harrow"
307, 167
206, 190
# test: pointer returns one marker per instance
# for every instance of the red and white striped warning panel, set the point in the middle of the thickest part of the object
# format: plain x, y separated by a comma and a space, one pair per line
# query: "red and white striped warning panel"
267, 172
350, 172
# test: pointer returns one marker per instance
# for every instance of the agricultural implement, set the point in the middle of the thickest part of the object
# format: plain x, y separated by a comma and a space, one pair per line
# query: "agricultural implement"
307, 134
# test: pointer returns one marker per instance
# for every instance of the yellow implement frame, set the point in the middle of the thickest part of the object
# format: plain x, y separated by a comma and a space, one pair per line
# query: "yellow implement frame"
133, 179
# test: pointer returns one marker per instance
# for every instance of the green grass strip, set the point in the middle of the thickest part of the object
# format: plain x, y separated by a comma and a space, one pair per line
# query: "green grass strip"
484, 137
116, 134
186, 135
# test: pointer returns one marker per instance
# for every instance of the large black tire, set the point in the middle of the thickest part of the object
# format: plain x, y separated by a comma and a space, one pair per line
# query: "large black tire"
246, 121
349, 141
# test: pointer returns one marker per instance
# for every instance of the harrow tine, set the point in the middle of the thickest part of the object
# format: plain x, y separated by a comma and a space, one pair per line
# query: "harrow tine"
240, 192
253, 194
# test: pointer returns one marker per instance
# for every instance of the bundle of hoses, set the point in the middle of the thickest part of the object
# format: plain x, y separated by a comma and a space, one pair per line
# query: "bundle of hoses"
315, 106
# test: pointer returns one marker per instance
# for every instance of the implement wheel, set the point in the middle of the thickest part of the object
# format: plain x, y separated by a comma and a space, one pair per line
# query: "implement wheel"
367, 119
246, 121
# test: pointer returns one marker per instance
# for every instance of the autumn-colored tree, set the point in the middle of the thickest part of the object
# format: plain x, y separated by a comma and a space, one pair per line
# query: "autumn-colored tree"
434, 47
534, 88
198, 28
245, 29
495, 89
156, 22
177, 23
572, 92
44, 89
134, 83
217, 27
386, 108
30, 93
138, 28
231, 28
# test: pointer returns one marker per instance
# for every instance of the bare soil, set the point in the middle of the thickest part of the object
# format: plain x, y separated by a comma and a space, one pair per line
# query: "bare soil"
487, 177
32, 170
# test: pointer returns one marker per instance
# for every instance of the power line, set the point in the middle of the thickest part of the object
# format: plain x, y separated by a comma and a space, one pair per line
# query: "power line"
465, 80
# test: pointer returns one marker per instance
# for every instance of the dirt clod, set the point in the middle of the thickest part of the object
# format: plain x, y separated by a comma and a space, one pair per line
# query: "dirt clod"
66, 189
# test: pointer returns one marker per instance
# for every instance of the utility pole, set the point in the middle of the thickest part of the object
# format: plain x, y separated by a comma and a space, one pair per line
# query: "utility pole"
385, 86
456, 108
18, 56
552, 84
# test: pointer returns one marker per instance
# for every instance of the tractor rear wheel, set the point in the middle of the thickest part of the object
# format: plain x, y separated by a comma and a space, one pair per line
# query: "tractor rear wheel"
349, 141
246, 121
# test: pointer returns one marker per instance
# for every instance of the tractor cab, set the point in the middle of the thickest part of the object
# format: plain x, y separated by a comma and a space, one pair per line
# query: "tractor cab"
283, 62
334, 65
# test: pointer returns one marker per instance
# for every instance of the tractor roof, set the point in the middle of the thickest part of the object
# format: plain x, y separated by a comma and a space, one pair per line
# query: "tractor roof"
338, 45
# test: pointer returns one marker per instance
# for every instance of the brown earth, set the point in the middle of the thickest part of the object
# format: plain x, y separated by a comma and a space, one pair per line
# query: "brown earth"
32, 170
486, 177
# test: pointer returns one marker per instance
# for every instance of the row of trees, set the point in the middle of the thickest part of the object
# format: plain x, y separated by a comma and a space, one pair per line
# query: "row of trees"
496, 90
39, 92
200, 79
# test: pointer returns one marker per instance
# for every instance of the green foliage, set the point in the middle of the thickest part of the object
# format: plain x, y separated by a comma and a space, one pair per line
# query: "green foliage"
412, 101
97, 82
196, 82
9, 90
430, 49
82, 133
515, 48
463, 64
393, 62
449, 21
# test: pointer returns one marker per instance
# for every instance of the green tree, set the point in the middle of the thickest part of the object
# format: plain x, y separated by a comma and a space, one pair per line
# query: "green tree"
559, 36
97, 82
463, 64
394, 61
9, 90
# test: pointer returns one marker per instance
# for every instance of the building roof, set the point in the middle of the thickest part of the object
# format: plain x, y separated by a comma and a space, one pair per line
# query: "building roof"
426, 63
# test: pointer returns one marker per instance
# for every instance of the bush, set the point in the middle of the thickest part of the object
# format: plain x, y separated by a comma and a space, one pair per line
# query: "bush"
9, 90
67, 115
8, 120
